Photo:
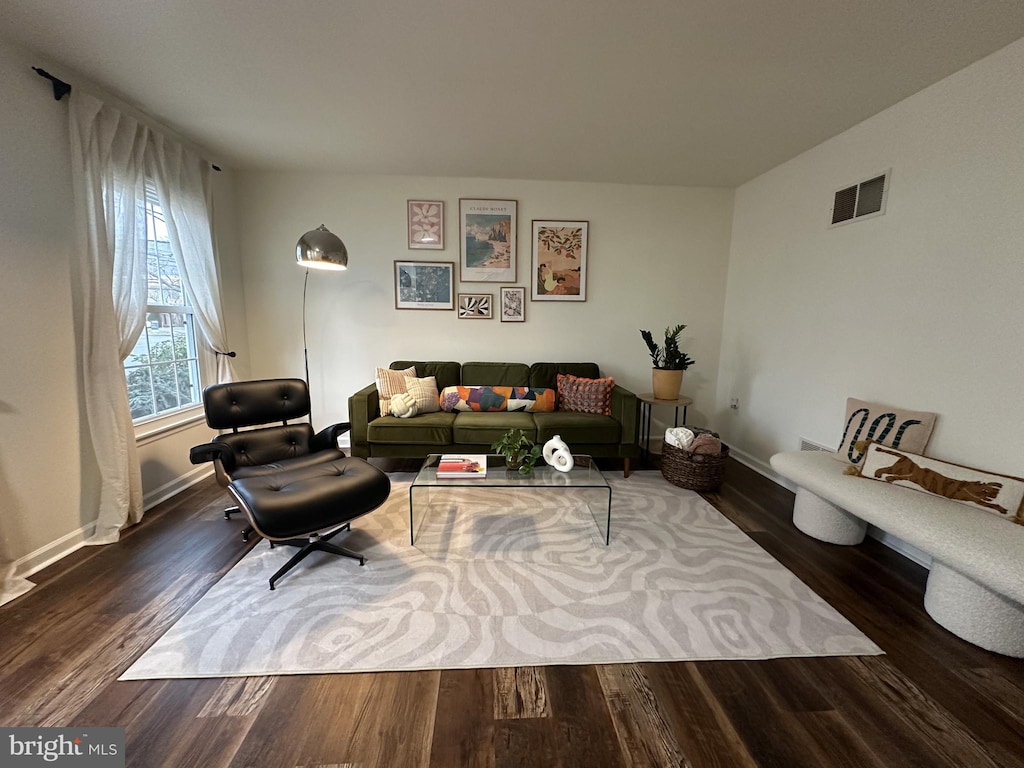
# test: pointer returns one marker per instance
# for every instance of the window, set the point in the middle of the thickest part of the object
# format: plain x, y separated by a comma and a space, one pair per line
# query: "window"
163, 368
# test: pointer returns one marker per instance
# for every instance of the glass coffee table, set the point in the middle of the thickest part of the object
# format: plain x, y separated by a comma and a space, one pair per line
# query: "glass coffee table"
544, 479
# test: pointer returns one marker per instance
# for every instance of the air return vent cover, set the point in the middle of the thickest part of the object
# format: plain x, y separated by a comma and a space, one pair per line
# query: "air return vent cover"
861, 200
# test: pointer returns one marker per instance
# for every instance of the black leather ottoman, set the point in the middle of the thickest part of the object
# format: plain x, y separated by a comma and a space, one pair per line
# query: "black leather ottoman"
309, 505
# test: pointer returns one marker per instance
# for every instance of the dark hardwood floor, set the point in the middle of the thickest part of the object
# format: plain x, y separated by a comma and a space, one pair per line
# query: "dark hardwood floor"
932, 700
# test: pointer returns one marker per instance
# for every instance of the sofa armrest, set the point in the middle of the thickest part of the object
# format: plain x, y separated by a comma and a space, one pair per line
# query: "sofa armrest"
363, 407
624, 410
328, 438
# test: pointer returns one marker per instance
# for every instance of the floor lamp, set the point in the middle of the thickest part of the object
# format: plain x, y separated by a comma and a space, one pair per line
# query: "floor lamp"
317, 249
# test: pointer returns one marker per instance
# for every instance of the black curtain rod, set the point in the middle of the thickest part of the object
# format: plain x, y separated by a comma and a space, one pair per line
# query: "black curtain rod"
62, 89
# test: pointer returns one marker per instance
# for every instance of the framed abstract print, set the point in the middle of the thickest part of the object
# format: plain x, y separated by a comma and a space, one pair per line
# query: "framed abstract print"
425, 223
513, 304
476, 306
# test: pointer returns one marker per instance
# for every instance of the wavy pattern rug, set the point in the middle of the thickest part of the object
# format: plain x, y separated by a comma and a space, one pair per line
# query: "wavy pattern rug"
501, 578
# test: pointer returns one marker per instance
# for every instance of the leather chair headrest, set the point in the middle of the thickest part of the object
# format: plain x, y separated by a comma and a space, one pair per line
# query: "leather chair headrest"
248, 403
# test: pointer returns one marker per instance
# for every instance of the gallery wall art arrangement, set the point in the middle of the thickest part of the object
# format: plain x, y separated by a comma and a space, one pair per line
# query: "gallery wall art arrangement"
487, 254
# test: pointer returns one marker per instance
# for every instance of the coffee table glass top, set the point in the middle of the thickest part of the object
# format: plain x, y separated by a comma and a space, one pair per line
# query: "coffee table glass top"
584, 474
584, 477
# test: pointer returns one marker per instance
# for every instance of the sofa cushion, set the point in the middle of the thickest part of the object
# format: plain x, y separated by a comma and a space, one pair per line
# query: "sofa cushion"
424, 392
546, 374
391, 382
425, 429
485, 428
495, 374
577, 427
497, 399
446, 373
585, 395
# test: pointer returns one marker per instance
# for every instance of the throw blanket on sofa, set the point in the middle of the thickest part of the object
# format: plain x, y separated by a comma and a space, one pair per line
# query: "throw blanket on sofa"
531, 399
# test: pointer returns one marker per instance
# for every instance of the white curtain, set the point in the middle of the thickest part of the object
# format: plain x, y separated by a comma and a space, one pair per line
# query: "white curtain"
182, 180
108, 176
112, 154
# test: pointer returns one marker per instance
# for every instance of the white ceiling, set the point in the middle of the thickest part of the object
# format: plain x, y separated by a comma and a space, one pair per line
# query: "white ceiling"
684, 92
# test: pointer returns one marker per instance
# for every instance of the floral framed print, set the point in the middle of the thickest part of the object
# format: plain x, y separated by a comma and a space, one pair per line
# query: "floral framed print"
488, 232
424, 284
513, 304
425, 220
476, 306
559, 260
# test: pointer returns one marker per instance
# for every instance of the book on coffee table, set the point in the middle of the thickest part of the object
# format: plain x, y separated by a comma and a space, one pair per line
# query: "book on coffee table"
462, 465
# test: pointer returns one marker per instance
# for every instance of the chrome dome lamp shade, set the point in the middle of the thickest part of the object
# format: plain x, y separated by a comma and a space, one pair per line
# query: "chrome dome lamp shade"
321, 249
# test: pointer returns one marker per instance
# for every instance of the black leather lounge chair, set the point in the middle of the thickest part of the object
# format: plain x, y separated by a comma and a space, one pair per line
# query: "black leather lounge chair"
294, 486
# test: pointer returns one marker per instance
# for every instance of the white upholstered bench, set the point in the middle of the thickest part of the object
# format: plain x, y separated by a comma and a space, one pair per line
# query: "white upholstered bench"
976, 584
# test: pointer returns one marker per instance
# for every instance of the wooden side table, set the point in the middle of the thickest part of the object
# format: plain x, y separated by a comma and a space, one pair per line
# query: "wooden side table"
647, 403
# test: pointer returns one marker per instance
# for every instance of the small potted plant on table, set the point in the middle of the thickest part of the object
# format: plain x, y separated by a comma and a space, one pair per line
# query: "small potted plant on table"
669, 363
520, 452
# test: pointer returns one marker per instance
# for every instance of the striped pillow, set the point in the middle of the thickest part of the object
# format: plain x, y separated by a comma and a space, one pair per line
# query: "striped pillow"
579, 395
391, 383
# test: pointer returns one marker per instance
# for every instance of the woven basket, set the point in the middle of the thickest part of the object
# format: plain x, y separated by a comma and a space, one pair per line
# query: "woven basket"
694, 471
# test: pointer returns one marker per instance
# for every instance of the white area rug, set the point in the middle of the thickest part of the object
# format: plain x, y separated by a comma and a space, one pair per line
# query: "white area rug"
500, 578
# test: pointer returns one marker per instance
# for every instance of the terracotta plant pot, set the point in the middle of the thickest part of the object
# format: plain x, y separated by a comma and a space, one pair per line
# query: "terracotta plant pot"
667, 384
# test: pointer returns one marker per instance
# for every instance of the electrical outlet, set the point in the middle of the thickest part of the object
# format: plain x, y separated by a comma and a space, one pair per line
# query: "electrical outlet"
735, 403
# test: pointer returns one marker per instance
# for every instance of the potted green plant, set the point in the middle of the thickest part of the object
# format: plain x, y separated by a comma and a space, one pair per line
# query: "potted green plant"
520, 452
669, 363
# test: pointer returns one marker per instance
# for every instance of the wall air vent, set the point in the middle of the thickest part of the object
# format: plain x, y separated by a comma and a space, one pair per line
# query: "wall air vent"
807, 445
861, 200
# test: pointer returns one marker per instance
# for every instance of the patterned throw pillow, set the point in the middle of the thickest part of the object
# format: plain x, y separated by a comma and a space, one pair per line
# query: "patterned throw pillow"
1001, 495
484, 398
391, 383
894, 427
585, 395
424, 391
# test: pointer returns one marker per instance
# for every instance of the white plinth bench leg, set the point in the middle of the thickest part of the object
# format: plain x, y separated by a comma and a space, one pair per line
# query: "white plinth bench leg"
825, 521
974, 612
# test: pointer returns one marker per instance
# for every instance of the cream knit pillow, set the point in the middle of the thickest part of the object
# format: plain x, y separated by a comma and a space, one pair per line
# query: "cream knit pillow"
425, 393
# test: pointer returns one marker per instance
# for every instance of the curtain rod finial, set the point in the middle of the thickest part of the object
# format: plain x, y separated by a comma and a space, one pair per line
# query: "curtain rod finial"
60, 88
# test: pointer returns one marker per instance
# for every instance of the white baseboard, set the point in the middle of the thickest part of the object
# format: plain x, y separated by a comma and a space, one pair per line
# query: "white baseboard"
50, 553
175, 486
909, 551
761, 467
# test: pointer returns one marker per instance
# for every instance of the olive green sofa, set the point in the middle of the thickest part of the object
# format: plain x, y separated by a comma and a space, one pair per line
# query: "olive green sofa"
376, 436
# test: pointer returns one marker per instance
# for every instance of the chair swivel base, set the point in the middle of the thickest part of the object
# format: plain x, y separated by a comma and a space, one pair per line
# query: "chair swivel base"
315, 544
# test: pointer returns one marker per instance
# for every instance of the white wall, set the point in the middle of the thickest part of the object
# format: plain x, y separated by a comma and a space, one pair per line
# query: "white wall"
919, 308
40, 468
42, 472
657, 256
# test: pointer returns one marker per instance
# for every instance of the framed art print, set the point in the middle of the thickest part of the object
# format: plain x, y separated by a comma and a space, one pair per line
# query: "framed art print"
559, 260
424, 284
513, 304
425, 222
476, 306
488, 232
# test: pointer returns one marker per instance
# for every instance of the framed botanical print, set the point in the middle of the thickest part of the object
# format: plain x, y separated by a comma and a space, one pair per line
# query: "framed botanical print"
488, 240
513, 304
559, 260
476, 306
425, 223
424, 284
